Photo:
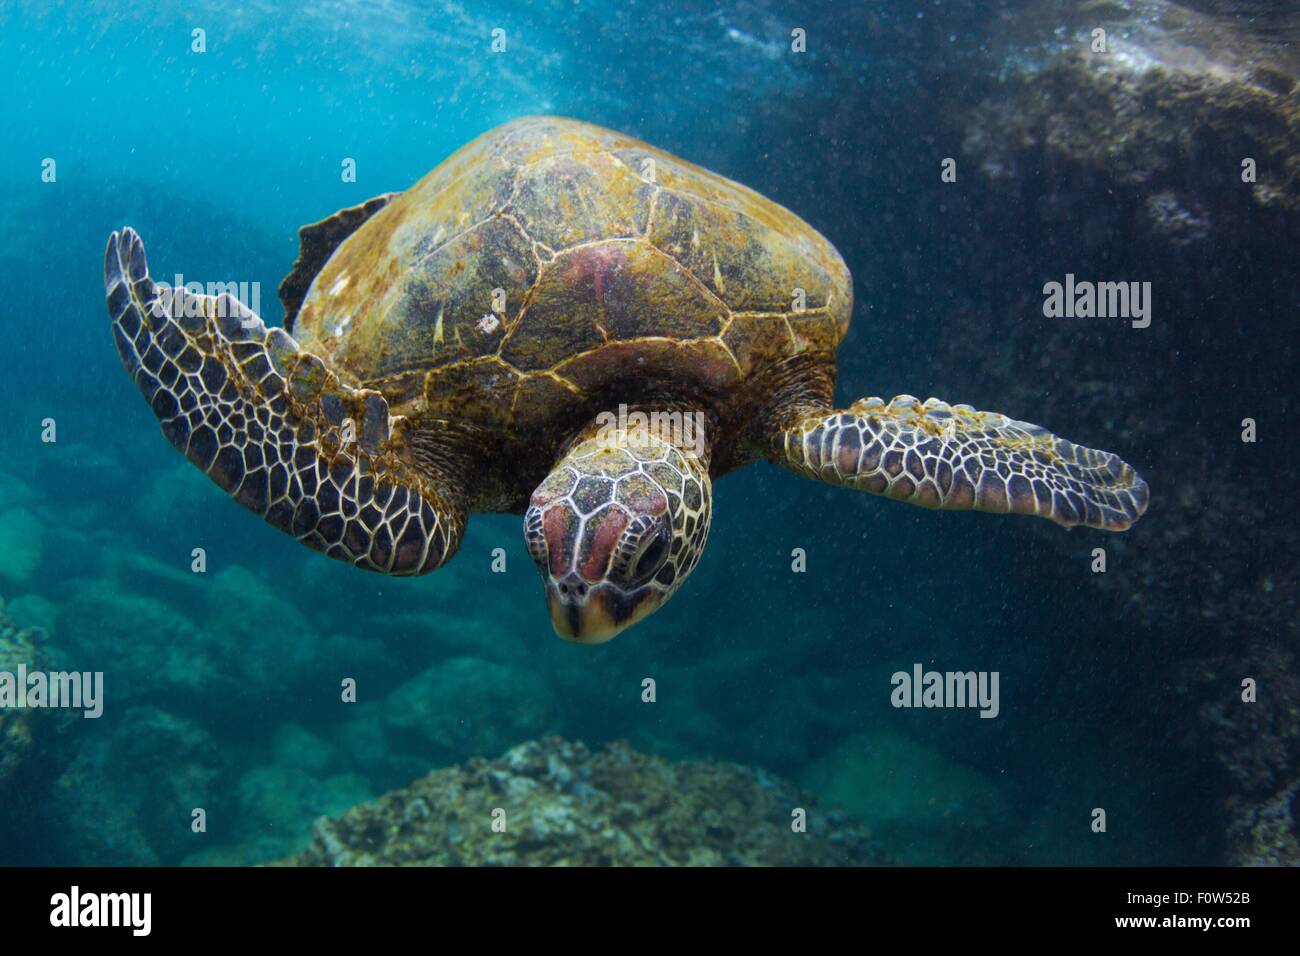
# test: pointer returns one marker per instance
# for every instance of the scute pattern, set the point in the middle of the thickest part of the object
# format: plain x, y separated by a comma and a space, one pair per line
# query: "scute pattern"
610, 245
568, 199
595, 478
954, 457
272, 426
746, 264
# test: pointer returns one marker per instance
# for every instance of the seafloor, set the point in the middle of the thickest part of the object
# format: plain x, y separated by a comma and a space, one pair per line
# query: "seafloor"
1129, 164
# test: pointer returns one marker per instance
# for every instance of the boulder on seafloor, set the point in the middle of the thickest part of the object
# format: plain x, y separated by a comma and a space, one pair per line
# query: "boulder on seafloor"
276, 807
146, 649
268, 639
466, 706
17, 648
243, 643
555, 803
15, 492
931, 807
118, 803
22, 541
295, 747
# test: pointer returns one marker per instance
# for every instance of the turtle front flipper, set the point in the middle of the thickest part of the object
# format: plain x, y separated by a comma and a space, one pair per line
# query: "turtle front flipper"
274, 426
954, 457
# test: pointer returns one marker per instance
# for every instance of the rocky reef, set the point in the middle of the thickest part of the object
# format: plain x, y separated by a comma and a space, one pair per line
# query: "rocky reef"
555, 803
1264, 833
1256, 746
1173, 155
1169, 156
18, 647
1122, 163
1160, 99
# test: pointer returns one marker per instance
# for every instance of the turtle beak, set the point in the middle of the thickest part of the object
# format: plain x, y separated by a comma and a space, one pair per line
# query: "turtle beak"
582, 614
587, 614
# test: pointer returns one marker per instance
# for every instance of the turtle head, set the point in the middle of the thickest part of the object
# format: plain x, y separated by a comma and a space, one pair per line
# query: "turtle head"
615, 529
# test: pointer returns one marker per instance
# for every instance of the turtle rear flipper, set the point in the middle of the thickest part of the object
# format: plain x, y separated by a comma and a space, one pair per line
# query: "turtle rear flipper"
274, 426
954, 457
316, 243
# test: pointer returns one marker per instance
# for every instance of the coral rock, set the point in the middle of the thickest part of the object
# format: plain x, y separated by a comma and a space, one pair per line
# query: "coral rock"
16, 647
555, 803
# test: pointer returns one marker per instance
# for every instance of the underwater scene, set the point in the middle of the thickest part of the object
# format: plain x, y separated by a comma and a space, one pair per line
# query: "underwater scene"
760, 433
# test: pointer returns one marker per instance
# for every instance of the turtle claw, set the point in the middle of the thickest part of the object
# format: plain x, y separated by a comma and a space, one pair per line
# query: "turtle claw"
124, 259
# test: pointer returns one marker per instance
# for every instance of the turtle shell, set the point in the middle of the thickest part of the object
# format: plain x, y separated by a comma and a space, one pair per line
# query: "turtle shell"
550, 264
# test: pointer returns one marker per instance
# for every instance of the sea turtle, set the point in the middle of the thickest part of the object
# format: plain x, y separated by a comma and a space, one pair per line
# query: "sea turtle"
564, 322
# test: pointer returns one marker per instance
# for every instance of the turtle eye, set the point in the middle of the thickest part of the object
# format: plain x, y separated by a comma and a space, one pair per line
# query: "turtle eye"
641, 550
653, 554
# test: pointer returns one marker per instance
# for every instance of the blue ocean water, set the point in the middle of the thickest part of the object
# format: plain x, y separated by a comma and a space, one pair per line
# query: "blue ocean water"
221, 688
